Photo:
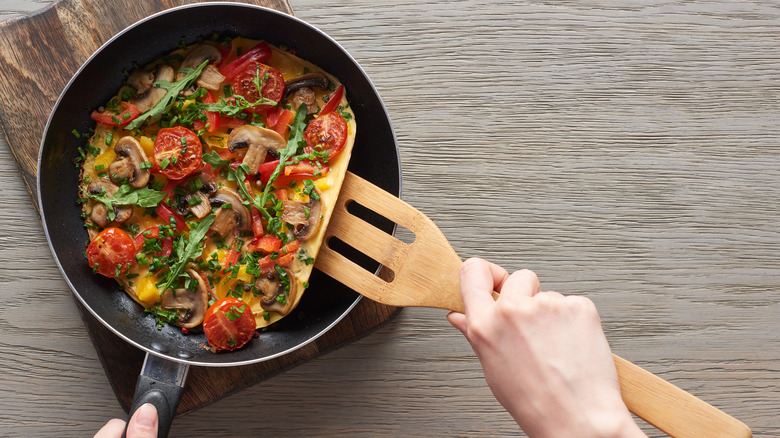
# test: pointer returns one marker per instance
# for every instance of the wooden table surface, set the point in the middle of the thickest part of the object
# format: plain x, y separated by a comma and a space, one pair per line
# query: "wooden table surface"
628, 153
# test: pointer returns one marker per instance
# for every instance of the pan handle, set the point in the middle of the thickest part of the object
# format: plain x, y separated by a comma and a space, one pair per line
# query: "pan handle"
161, 383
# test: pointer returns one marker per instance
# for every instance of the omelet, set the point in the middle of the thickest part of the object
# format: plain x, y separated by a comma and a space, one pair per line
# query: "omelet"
211, 175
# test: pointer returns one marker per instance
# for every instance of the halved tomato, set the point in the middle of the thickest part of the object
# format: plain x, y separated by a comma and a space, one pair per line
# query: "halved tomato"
272, 86
111, 252
229, 324
326, 133
177, 152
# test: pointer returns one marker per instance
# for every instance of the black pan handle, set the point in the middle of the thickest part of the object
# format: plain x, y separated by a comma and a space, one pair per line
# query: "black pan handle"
161, 383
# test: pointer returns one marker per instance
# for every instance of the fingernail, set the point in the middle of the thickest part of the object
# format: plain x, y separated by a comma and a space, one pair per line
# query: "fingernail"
146, 415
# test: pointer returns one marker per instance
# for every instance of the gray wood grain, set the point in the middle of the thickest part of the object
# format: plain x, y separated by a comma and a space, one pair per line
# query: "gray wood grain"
625, 152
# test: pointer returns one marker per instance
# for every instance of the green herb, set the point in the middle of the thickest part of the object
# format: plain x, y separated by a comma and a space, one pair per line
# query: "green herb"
163, 315
296, 136
235, 312
172, 90
143, 197
187, 250
109, 138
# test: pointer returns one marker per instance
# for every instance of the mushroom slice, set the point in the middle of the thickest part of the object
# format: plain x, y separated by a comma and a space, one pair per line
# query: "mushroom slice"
210, 78
228, 220
258, 141
303, 216
191, 304
197, 203
304, 95
147, 95
99, 212
273, 285
309, 80
127, 166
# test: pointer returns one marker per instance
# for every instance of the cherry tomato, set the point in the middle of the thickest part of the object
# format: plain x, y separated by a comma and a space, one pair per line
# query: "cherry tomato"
229, 324
326, 133
111, 252
272, 88
177, 152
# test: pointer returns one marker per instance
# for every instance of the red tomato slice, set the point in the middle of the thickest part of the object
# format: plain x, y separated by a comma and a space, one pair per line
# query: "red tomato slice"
229, 324
111, 252
326, 133
128, 113
212, 117
272, 88
177, 152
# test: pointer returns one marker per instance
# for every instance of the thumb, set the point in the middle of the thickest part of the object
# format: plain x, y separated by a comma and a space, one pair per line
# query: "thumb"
458, 320
143, 424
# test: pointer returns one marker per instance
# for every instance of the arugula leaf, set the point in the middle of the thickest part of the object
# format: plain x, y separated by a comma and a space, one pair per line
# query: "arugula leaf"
164, 104
187, 250
215, 160
125, 195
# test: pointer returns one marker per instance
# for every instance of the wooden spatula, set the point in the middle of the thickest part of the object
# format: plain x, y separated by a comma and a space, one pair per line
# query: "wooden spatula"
425, 274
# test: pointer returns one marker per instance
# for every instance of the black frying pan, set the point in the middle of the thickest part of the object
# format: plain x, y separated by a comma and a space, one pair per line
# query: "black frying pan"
325, 303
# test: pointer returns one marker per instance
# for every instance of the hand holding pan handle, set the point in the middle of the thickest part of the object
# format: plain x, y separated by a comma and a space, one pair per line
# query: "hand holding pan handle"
161, 383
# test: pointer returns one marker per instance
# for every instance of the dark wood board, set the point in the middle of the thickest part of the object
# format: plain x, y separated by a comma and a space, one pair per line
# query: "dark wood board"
38, 55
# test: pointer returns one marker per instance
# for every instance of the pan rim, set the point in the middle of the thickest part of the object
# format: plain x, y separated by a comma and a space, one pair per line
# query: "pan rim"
41, 207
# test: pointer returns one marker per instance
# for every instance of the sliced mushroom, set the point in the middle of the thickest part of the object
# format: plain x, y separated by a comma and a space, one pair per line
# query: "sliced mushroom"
210, 78
304, 95
127, 166
259, 142
310, 80
147, 95
200, 208
299, 90
303, 216
228, 220
273, 285
191, 304
99, 212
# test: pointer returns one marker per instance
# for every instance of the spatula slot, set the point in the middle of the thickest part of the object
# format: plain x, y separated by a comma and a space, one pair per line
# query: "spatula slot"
370, 265
401, 233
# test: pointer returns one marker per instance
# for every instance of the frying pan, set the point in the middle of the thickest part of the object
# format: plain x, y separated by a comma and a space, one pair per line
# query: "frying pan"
169, 352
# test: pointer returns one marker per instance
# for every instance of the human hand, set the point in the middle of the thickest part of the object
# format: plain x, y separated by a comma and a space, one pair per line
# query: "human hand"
143, 424
544, 355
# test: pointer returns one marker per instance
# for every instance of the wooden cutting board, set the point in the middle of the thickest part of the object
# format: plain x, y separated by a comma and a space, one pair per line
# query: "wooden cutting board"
38, 55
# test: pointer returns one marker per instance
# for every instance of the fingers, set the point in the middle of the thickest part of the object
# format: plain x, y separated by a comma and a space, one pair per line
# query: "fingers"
143, 424
113, 429
478, 279
522, 282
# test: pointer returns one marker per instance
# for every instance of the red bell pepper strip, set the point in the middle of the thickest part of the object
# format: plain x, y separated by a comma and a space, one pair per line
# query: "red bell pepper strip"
292, 172
333, 101
265, 244
230, 259
282, 124
259, 53
166, 214
283, 259
153, 233
212, 117
126, 115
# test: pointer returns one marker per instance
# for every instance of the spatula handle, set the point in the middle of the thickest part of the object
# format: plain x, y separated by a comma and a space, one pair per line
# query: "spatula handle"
672, 410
